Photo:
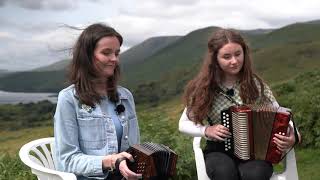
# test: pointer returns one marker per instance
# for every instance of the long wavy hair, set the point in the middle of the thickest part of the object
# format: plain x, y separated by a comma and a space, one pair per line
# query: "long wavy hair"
200, 92
82, 72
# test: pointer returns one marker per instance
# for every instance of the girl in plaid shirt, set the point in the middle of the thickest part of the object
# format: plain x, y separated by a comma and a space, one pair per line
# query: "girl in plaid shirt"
227, 67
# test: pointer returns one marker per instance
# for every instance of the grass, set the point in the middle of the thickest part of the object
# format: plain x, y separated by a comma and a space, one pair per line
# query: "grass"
308, 164
158, 124
11, 141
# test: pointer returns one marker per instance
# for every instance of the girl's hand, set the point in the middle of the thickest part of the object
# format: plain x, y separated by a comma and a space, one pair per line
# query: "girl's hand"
217, 132
285, 142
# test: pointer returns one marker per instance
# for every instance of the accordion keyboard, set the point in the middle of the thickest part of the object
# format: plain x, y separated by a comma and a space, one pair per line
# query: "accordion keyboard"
225, 118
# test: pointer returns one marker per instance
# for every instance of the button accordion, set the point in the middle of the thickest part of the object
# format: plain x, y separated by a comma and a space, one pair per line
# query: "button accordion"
153, 161
253, 128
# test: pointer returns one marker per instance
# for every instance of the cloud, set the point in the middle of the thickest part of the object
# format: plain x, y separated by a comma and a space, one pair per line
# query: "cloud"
58, 5
35, 49
178, 17
36, 35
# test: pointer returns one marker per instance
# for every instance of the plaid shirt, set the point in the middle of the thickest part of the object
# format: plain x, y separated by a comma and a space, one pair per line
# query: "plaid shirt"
221, 102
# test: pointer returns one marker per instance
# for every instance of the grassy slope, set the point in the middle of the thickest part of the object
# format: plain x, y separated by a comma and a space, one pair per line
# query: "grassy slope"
156, 125
159, 124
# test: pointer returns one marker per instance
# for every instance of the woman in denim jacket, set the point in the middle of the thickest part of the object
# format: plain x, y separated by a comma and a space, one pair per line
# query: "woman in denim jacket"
95, 119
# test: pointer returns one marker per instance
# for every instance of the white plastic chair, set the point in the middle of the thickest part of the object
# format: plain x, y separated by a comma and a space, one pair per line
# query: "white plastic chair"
38, 157
290, 167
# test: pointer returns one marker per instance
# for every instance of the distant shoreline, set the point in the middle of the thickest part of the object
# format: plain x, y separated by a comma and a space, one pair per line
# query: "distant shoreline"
26, 97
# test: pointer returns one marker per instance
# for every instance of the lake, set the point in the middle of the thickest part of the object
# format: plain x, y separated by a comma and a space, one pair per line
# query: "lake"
21, 97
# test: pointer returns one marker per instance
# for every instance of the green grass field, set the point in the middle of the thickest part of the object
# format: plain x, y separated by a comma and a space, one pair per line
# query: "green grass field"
158, 124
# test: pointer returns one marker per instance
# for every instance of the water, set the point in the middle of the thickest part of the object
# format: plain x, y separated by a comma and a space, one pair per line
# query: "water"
21, 97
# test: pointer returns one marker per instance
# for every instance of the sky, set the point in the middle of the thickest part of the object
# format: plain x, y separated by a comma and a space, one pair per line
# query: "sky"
34, 33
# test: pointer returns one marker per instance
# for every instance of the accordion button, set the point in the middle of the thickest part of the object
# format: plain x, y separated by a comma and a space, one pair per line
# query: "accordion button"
227, 115
283, 133
226, 149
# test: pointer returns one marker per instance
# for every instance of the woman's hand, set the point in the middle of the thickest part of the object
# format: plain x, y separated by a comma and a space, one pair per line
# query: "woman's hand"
127, 173
217, 132
285, 142
110, 161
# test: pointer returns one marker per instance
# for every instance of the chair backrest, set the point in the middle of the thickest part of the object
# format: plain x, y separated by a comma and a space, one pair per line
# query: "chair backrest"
37, 155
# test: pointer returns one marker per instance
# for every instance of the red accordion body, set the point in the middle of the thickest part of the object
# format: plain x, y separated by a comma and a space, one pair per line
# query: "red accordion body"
253, 128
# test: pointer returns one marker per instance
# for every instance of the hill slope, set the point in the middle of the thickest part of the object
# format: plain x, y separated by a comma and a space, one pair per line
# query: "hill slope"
163, 67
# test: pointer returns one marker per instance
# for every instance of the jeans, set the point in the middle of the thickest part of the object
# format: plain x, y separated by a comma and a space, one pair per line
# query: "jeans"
225, 166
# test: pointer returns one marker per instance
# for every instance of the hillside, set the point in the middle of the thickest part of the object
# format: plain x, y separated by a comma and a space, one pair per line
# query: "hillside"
135, 54
57, 66
161, 67
180, 55
301, 94
4, 72
47, 81
159, 124
147, 48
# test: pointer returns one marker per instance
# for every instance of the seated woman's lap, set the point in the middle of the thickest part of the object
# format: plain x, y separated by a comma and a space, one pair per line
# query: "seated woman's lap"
255, 170
221, 166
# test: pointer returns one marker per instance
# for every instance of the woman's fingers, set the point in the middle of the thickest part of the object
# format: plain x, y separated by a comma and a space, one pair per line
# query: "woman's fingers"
127, 173
218, 132
281, 142
127, 155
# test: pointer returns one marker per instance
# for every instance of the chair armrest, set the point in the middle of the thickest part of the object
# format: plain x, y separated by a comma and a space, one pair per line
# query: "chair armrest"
198, 156
37, 168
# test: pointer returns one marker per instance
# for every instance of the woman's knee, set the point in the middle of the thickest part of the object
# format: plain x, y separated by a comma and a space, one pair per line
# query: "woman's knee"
220, 166
254, 170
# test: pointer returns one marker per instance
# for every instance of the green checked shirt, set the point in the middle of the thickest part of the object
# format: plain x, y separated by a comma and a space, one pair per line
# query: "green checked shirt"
221, 102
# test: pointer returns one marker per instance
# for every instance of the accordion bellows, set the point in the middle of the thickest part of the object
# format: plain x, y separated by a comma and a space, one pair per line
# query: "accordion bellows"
253, 128
153, 161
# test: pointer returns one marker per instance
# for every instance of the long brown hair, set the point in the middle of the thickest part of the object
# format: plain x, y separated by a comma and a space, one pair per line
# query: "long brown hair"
82, 72
200, 91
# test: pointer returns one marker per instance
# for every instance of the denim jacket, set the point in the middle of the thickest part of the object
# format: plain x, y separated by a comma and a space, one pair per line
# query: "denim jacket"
84, 135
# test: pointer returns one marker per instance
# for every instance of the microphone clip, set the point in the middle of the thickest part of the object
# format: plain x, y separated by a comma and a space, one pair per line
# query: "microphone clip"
120, 108
230, 92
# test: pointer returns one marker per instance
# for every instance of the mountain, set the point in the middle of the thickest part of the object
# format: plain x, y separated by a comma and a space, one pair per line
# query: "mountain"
33, 81
46, 81
159, 68
177, 56
135, 54
4, 72
57, 66
292, 34
147, 48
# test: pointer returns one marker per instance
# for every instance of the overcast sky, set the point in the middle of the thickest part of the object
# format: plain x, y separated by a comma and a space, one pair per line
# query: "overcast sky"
32, 31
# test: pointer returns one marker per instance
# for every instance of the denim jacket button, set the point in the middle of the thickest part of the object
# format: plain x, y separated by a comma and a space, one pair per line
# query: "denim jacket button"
125, 137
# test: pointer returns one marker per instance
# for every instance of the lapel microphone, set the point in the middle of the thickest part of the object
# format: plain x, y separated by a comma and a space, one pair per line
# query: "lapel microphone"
120, 108
230, 92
